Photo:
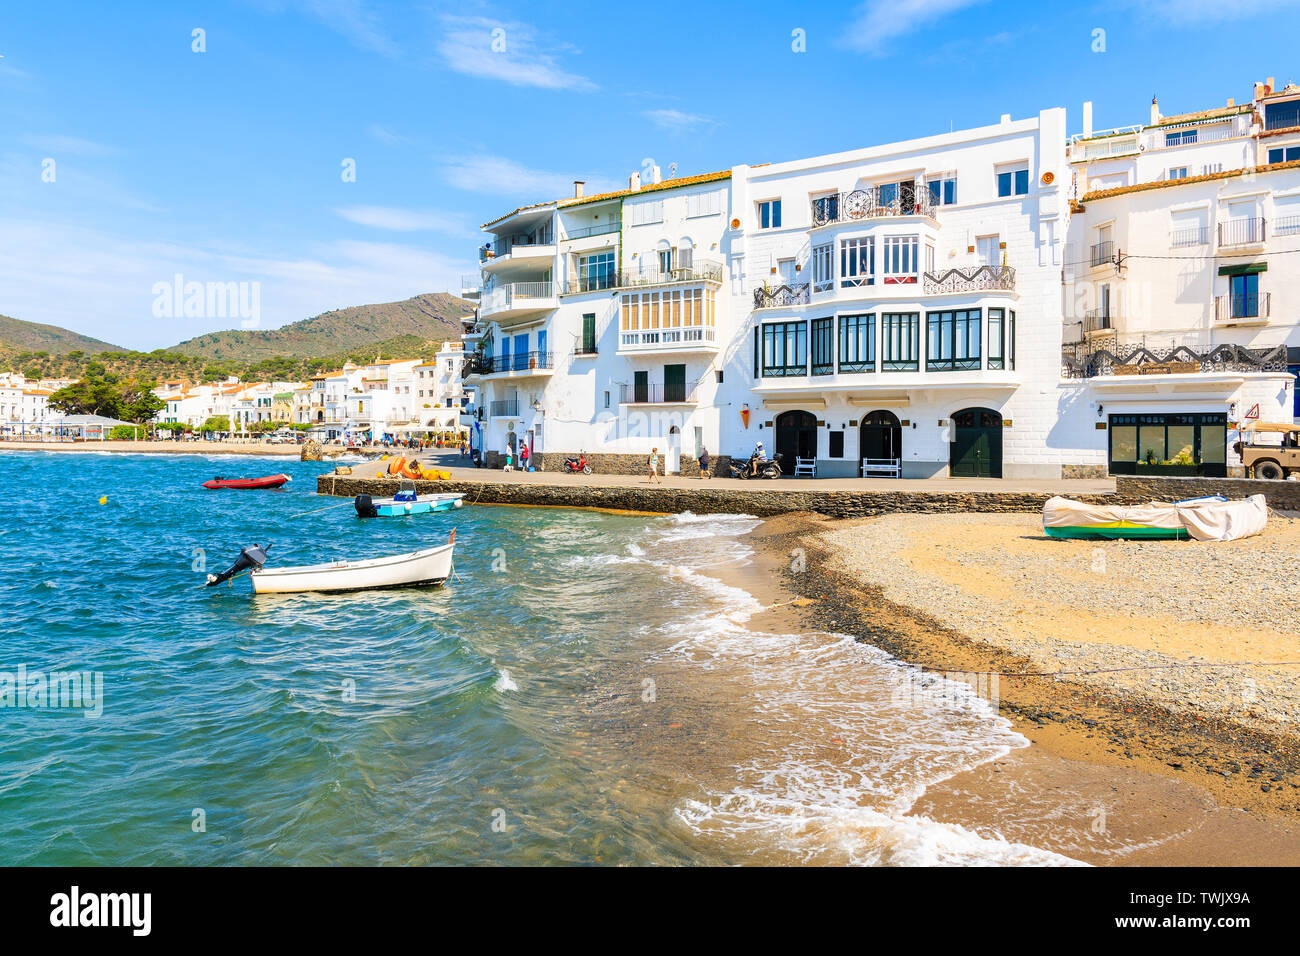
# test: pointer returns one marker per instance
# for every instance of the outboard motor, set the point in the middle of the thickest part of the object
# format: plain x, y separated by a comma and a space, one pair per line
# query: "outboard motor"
252, 557
365, 507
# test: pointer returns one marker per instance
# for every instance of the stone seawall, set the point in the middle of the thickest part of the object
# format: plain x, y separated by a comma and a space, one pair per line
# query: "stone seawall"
762, 500
1281, 495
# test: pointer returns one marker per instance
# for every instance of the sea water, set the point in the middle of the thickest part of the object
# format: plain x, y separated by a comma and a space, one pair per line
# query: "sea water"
585, 691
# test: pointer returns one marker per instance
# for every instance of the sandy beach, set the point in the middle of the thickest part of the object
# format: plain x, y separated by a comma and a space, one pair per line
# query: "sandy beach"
1144, 760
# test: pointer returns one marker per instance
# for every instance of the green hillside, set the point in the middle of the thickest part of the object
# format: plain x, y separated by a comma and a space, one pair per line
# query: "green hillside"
19, 336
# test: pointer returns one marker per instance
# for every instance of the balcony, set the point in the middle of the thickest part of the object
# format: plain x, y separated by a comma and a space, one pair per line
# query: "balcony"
1097, 320
518, 364
674, 394
507, 408
1103, 253
1242, 232
516, 300
689, 339
1192, 236
981, 279
1282, 116
1088, 361
583, 284
702, 271
874, 202
516, 247
781, 296
1248, 307
586, 232
1104, 147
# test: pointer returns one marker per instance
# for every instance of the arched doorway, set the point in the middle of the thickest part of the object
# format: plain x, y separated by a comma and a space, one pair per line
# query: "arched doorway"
673, 460
796, 437
976, 450
881, 439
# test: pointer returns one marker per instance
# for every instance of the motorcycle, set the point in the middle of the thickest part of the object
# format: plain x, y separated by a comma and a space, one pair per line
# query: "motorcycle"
573, 466
767, 468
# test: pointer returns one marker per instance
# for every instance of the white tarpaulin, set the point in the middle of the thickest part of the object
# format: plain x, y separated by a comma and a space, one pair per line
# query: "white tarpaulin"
1205, 519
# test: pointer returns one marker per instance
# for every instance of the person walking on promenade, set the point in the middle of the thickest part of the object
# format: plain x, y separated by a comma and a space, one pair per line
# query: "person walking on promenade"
654, 466
523, 456
704, 462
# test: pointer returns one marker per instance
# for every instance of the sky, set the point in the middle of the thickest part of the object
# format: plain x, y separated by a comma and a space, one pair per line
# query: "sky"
306, 155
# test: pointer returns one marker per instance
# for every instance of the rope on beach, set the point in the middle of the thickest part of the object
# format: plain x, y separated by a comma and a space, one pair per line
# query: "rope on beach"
318, 510
1116, 670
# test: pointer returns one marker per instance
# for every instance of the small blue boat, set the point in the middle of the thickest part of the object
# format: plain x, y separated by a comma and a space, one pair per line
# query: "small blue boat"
405, 502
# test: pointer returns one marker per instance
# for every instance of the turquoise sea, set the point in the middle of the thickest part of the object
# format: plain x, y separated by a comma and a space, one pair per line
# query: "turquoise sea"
586, 691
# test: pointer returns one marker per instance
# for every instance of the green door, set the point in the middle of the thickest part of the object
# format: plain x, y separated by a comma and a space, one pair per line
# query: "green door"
640, 387
589, 333
976, 450
674, 383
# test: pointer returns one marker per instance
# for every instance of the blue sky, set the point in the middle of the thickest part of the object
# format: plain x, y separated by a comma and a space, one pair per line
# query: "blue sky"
225, 165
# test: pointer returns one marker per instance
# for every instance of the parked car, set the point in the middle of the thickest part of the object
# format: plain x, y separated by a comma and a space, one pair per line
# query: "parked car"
1272, 461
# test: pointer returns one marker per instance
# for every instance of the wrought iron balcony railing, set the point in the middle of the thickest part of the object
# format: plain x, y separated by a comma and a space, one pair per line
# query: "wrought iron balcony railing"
1101, 253
514, 362
700, 271
782, 295
655, 394
1191, 236
970, 280
1083, 361
507, 244
1251, 305
1098, 320
1242, 232
893, 199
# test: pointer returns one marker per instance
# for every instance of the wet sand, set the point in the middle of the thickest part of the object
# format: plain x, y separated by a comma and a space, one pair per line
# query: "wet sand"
1110, 778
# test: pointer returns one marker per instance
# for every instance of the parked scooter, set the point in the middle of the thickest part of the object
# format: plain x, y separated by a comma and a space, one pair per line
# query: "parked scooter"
767, 468
573, 466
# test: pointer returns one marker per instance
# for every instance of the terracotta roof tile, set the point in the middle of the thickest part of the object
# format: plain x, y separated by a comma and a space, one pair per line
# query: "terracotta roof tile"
1188, 181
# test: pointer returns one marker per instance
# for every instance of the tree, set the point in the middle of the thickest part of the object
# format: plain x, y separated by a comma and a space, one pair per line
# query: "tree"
90, 396
138, 402
217, 423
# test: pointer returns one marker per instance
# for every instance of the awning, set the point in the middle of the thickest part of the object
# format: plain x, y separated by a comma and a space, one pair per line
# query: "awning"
1248, 269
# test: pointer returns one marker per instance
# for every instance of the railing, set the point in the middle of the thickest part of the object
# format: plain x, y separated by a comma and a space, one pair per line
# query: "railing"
1287, 226
703, 271
1085, 362
507, 408
584, 350
1241, 232
516, 295
656, 394
901, 199
970, 280
1101, 253
1104, 147
668, 338
1191, 236
1247, 305
586, 232
1097, 320
514, 362
506, 245
596, 283
1171, 137
1281, 117
782, 295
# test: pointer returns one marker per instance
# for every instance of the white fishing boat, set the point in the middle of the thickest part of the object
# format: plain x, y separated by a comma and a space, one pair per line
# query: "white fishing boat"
427, 567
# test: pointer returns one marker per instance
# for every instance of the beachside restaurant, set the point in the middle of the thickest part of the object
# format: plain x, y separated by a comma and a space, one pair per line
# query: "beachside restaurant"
67, 428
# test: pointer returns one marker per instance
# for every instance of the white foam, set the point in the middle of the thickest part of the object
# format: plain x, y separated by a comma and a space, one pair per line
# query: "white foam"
504, 682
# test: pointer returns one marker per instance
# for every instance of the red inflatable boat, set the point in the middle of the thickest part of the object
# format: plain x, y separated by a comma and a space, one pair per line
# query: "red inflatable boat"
270, 481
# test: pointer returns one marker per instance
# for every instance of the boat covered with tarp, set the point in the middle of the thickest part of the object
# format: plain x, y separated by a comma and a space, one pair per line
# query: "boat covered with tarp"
1211, 518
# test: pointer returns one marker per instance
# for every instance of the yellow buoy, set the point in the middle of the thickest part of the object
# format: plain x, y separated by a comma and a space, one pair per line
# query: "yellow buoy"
103, 499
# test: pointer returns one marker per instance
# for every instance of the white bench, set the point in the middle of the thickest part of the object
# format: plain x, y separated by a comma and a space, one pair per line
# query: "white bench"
882, 466
805, 466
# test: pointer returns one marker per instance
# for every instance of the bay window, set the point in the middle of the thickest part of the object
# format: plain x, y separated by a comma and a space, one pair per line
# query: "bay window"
785, 349
900, 341
857, 262
857, 343
900, 259
953, 340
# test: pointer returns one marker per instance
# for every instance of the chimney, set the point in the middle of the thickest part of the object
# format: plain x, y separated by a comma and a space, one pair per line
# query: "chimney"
1155, 111
577, 188
1231, 101
1087, 118
634, 182
1259, 90
655, 176
1269, 83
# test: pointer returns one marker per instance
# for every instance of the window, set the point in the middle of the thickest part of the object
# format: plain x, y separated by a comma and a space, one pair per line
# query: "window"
589, 333
943, 189
1287, 212
823, 276
1178, 172
1013, 182
1187, 228
986, 247
704, 204
836, 445
645, 212
857, 343
996, 323
1284, 154
1201, 437
823, 361
785, 349
899, 341
900, 259
953, 340
665, 261
607, 398
1180, 137
857, 262
596, 271
1245, 296
826, 209
769, 214
1011, 340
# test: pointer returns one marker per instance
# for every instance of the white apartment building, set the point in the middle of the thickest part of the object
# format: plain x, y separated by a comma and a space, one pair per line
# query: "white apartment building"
439, 389
1181, 298
895, 305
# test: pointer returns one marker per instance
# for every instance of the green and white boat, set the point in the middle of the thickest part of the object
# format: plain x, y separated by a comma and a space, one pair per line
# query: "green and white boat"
1212, 518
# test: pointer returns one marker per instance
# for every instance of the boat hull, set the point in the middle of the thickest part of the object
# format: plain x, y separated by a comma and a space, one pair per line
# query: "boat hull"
270, 481
424, 504
1098, 533
428, 567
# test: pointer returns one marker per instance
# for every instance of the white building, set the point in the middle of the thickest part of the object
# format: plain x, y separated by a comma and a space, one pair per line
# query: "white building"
1181, 297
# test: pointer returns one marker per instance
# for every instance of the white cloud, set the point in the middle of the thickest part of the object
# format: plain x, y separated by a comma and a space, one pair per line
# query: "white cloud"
505, 177
678, 121
396, 219
881, 22
507, 51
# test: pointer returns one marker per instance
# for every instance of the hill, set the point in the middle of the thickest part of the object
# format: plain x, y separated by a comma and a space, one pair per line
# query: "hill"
19, 336
412, 323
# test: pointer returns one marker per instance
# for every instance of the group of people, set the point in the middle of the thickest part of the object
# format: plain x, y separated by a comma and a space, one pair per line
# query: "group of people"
654, 465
